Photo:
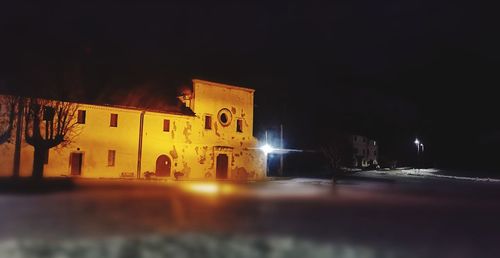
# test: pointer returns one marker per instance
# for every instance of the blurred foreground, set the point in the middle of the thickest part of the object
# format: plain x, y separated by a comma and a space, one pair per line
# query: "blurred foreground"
370, 215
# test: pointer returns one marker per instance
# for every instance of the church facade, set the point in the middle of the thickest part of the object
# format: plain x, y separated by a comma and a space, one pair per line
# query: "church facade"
214, 141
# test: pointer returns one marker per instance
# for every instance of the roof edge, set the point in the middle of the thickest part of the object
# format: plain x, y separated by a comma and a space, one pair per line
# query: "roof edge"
224, 85
188, 113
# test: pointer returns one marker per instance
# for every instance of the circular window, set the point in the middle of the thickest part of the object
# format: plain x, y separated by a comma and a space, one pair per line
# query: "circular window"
225, 117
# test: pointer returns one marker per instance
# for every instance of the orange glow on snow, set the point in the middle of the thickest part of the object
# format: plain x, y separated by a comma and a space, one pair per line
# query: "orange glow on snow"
209, 188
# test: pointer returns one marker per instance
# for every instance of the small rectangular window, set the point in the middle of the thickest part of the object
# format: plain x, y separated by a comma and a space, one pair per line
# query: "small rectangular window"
114, 120
239, 126
111, 158
208, 122
166, 125
81, 116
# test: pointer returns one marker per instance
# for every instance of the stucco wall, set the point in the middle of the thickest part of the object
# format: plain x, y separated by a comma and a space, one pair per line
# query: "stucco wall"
95, 139
191, 148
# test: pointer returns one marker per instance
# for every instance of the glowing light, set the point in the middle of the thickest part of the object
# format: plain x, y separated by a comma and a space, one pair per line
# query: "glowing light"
417, 141
267, 148
207, 188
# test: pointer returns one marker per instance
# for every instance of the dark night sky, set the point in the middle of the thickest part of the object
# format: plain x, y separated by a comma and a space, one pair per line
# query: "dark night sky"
392, 70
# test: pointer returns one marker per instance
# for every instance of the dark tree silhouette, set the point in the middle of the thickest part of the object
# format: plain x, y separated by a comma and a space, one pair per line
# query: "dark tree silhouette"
8, 108
338, 151
48, 123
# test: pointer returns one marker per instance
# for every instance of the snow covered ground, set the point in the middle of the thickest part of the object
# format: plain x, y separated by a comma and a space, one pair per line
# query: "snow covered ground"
193, 245
368, 216
432, 173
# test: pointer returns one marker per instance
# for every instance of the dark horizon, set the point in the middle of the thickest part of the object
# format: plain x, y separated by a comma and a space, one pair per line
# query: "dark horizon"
390, 71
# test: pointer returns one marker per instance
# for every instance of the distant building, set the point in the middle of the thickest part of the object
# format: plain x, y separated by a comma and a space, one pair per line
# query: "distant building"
210, 137
365, 151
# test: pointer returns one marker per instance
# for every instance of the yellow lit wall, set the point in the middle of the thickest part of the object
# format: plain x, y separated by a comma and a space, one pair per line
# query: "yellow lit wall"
191, 148
94, 141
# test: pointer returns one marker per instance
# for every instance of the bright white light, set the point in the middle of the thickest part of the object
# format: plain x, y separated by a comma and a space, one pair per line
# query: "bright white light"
417, 141
267, 148
207, 188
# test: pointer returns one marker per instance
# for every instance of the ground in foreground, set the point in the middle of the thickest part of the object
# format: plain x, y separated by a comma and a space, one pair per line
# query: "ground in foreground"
370, 215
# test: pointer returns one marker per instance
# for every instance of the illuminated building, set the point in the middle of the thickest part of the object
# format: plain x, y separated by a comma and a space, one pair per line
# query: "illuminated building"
210, 138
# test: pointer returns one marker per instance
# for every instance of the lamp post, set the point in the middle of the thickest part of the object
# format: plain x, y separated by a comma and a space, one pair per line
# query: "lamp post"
281, 147
268, 148
422, 155
417, 143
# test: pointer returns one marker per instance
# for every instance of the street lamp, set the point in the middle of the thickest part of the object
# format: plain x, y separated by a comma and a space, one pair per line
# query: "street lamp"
420, 146
422, 155
266, 148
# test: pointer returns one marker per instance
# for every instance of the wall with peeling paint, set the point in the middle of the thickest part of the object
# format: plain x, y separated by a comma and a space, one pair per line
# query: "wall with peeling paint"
191, 149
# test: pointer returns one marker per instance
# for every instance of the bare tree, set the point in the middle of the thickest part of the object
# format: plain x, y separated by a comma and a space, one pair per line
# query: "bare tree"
48, 123
333, 155
8, 111
337, 152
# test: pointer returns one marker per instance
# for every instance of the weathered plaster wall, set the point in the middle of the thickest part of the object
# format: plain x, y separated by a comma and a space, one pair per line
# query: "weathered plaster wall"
94, 141
245, 161
210, 98
191, 148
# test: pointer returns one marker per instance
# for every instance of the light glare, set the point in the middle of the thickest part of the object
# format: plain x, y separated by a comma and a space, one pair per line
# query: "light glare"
267, 148
207, 188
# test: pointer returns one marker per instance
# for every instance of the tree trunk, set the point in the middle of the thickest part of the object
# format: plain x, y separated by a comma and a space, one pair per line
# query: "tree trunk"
38, 161
19, 128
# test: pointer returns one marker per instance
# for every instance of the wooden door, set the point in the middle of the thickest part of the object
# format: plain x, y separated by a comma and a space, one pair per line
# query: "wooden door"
221, 167
163, 166
76, 163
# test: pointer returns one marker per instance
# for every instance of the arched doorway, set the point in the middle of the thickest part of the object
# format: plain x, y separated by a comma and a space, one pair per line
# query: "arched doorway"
221, 167
163, 166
